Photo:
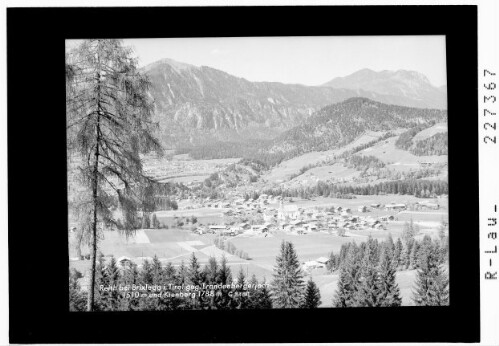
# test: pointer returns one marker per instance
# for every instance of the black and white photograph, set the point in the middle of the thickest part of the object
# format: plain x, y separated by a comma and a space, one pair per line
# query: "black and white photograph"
224, 173
250, 173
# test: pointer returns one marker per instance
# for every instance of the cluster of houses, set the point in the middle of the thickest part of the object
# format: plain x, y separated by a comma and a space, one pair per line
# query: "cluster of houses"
298, 220
271, 213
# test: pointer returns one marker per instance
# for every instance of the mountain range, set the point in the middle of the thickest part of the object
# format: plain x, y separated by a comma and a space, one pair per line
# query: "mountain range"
410, 87
198, 105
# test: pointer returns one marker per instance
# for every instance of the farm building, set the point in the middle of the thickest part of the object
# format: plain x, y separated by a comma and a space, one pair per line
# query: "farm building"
395, 206
227, 232
323, 260
297, 222
124, 261
429, 205
217, 228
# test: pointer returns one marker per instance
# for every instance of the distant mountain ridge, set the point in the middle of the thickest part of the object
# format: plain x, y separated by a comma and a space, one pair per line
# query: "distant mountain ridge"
197, 105
339, 124
400, 83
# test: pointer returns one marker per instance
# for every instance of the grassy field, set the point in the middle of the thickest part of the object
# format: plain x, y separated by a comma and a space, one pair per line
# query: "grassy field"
332, 173
289, 167
173, 246
204, 216
426, 133
181, 168
397, 159
176, 245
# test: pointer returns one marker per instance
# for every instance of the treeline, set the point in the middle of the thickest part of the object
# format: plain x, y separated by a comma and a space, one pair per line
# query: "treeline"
418, 188
255, 164
230, 248
154, 274
358, 162
434, 145
405, 252
367, 273
366, 145
288, 289
241, 173
364, 162
404, 141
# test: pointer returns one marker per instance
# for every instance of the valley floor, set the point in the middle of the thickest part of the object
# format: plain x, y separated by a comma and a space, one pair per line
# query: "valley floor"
176, 244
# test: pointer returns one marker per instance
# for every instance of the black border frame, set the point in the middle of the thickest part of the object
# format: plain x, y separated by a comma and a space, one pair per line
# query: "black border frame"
38, 257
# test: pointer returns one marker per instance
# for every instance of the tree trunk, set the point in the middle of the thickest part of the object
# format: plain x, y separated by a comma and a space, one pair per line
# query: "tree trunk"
90, 306
91, 295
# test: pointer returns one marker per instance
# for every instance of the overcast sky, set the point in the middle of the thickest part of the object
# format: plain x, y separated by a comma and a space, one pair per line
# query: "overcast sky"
303, 60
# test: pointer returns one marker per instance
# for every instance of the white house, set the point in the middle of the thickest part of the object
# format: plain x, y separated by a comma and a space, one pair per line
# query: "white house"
323, 260
395, 206
217, 228
288, 212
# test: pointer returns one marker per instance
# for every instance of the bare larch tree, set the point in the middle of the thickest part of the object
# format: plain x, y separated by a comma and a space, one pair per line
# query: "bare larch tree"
109, 123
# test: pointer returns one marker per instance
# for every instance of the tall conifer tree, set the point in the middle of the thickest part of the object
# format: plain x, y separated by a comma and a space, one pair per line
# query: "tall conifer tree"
397, 253
264, 297
348, 283
287, 286
77, 299
108, 124
369, 290
312, 296
389, 292
223, 299
241, 299
432, 283
111, 299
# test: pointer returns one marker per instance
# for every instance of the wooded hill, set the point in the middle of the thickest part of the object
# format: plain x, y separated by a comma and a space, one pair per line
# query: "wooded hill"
337, 125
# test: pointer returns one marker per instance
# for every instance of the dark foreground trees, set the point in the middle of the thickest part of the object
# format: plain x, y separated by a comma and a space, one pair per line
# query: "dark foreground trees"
367, 272
169, 287
288, 285
108, 125
367, 277
154, 286
432, 283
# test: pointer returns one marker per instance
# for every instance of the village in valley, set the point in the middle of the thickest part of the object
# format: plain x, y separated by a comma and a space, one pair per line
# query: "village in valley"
232, 175
254, 229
